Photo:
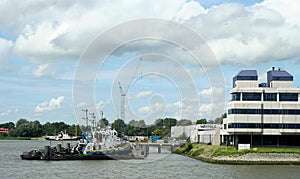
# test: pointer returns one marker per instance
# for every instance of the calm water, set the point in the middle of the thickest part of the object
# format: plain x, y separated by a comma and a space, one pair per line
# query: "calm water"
155, 166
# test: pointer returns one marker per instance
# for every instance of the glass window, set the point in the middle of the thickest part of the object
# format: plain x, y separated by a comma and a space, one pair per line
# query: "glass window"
265, 125
235, 96
270, 96
288, 96
251, 96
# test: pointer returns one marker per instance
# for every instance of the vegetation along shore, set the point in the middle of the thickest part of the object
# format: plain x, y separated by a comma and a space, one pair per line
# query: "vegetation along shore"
230, 155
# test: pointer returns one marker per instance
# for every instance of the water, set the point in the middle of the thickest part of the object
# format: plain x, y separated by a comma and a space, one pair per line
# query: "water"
155, 166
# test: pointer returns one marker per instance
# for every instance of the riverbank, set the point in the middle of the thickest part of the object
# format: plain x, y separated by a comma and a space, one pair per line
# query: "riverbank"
230, 155
14, 138
21, 138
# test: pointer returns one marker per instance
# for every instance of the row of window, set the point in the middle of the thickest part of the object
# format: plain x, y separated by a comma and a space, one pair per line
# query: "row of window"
264, 125
266, 96
265, 111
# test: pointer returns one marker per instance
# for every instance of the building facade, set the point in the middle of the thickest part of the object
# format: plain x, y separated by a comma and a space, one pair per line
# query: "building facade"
263, 114
199, 133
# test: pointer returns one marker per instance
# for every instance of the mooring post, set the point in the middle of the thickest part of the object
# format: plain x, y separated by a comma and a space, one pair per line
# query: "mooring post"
172, 147
58, 148
147, 148
159, 148
47, 151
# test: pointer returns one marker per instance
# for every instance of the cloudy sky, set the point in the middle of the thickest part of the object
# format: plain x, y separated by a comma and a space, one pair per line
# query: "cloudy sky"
173, 58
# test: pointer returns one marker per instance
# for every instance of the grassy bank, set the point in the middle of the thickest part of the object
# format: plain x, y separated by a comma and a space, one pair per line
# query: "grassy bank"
210, 153
194, 150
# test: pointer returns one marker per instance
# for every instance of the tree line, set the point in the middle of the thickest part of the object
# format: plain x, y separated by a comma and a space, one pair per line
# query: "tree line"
161, 127
25, 128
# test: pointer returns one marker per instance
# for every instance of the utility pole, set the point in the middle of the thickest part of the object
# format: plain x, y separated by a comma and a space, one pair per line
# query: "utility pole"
93, 119
86, 116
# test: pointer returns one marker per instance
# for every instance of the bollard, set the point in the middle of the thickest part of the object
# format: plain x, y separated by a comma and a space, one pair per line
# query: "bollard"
46, 152
58, 148
159, 148
147, 148
172, 147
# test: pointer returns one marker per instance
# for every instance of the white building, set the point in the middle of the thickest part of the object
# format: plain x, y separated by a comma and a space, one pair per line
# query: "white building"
263, 114
199, 133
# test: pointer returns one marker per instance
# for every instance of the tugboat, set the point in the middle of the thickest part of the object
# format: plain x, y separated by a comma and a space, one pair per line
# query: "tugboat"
95, 144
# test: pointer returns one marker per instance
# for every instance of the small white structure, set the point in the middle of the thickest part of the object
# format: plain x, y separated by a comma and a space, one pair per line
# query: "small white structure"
200, 133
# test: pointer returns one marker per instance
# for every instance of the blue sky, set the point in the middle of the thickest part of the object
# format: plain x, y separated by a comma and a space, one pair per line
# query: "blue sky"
41, 44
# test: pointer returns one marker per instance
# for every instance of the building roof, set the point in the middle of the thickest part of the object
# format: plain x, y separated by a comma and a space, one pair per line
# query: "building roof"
246, 75
278, 75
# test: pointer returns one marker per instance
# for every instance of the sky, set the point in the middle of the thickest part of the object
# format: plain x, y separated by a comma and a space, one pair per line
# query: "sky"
172, 58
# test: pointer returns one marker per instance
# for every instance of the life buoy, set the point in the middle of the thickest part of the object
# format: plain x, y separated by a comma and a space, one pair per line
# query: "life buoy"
88, 147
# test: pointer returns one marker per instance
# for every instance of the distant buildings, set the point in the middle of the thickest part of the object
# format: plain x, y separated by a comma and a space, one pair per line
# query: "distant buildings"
4, 130
198, 133
263, 114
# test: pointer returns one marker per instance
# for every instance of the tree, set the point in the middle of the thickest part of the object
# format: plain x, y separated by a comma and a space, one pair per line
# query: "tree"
28, 129
201, 121
9, 125
184, 122
218, 120
74, 130
103, 123
119, 125
20, 122
159, 123
169, 122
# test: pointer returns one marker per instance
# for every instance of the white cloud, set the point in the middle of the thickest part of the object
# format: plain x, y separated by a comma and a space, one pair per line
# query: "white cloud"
144, 110
190, 9
50, 31
142, 94
9, 111
44, 70
82, 105
5, 48
53, 104
208, 93
37, 44
249, 35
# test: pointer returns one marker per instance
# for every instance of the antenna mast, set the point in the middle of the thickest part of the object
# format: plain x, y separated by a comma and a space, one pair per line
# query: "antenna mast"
93, 120
86, 116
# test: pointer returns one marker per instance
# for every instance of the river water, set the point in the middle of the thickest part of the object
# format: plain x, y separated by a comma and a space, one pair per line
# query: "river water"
163, 165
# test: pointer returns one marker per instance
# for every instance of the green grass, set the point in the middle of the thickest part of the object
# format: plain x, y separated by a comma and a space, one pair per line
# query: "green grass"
277, 150
194, 150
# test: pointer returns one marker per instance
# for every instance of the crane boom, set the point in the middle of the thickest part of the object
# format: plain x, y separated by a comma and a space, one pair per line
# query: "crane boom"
122, 102
123, 93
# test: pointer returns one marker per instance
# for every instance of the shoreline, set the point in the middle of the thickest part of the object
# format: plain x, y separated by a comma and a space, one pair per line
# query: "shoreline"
231, 156
254, 159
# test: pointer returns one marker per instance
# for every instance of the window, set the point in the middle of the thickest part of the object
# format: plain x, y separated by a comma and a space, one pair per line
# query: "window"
235, 96
251, 96
288, 96
265, 125
265, 111
270, 96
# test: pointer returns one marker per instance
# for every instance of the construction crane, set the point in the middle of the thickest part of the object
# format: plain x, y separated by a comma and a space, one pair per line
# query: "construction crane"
122, 103
123, 93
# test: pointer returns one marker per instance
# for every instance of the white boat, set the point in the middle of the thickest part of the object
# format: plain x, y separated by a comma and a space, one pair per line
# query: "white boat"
62, 136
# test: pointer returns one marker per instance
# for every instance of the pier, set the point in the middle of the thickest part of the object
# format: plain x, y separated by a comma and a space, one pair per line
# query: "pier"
159, 146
